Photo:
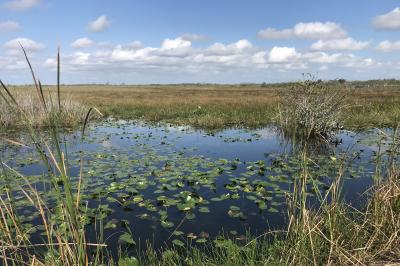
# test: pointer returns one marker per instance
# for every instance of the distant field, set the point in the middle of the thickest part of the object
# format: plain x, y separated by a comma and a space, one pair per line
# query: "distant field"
219, 106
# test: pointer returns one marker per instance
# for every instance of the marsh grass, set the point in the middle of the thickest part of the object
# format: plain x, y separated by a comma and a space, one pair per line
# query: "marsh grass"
70, 116
64, 222
227, 106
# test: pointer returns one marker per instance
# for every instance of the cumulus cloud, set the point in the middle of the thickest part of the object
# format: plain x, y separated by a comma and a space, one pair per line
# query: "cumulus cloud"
319, 30
260, 58
194, 37
100, 24
178, 56
339, 44
82, 43
310, 30
135, 44
341, 59
28, 44
326, 58
8, 26
233, 48
389, 21
274, 34
18, 5
282, 55
388, 46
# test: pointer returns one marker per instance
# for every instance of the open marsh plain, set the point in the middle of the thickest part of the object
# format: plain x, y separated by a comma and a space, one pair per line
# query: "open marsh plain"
212, 106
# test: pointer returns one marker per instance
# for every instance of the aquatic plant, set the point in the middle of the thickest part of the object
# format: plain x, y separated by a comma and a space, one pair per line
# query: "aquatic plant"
63, 221
328, 233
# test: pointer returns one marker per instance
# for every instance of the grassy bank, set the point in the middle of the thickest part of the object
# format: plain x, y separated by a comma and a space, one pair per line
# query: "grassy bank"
219, 106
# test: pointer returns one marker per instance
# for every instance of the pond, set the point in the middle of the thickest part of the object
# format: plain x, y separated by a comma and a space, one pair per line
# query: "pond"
169, 185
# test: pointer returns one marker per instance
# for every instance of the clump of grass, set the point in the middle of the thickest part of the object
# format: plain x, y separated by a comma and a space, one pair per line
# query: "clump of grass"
70, 116
311, 108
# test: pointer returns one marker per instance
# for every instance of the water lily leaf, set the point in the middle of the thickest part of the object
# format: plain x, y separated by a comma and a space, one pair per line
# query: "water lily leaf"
167, 224
126, 238
178, 243
201, 240
271, 209
204, 209
129, 261
177, 233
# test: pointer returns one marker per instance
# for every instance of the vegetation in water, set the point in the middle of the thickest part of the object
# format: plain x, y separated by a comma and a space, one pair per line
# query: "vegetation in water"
61, 215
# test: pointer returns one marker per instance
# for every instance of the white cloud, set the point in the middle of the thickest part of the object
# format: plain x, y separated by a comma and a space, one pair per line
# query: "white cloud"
174, 47
8, 26
319, 30
177, 43
100, 24
282, 55
260, 58
340, 59
274, 34
325, 58
136, 44
389, 21
387, 46
28, 44
339, 44
194, 37
362, 63
82, 43
310, 30
18, 5
233, 48
178, 57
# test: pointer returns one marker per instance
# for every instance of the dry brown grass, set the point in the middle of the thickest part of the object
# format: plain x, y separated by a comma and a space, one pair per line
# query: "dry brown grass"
224, 105
72, 111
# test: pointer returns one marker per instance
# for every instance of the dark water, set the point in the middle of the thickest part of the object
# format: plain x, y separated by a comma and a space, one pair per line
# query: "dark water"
153, 181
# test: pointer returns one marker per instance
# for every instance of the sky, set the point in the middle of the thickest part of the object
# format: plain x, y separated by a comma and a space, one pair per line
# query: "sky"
207, 41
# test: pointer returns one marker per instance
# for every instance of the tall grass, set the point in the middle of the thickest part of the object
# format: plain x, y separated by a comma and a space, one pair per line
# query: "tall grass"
64, 221
71, 115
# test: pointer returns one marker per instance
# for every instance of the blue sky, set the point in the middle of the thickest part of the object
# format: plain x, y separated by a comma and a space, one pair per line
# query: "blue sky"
176, 41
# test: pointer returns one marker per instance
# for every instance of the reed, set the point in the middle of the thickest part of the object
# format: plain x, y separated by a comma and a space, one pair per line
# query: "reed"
65, 237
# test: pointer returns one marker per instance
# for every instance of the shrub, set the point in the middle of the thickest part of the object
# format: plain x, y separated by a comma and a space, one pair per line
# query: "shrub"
311, 108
